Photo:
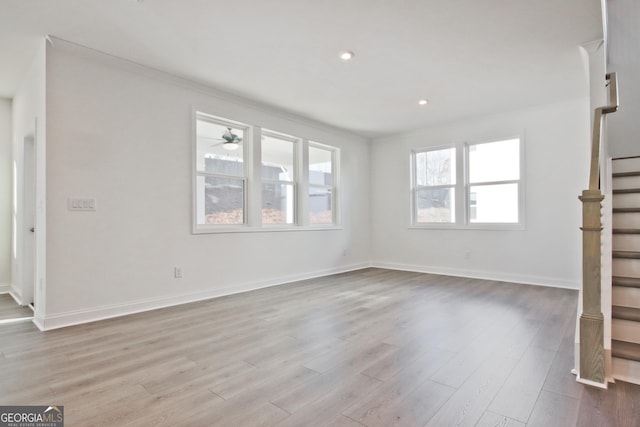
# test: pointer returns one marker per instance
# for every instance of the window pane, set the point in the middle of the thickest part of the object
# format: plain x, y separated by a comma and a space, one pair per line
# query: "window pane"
277, 159
219, 200
494, 161
213, 155
277, 204
436, 167
435, 205
494, 203
320, 166
320, 206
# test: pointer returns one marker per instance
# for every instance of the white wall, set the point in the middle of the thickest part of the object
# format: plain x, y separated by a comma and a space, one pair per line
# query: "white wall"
624, 58
623, 126
6, 171
122, 133
547, 252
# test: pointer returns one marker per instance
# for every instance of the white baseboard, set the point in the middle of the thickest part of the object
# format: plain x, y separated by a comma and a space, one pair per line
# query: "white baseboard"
4, 288
592, 383
106, 312
626, 370
483, 275
16, 294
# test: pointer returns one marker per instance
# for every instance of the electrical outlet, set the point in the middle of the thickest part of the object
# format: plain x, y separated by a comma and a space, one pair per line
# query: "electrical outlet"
177, 272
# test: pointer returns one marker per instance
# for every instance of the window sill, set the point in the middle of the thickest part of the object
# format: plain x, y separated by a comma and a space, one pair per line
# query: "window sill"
485, 226
265, 229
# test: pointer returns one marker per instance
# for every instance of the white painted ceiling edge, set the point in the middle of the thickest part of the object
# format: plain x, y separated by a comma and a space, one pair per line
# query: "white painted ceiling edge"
467, 57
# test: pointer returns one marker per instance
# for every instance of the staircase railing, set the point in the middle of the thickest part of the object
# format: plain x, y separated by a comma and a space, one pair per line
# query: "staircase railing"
592, 361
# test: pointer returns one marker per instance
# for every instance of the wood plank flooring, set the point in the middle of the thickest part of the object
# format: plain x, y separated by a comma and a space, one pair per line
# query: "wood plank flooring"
9, 309
374, 348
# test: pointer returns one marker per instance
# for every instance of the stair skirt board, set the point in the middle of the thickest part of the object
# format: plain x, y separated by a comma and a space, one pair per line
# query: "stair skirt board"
626, 267
626, 297
626, 370
625, 330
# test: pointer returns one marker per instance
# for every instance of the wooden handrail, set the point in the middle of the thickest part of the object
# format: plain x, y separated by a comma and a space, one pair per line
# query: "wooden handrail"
600, 112
592, 360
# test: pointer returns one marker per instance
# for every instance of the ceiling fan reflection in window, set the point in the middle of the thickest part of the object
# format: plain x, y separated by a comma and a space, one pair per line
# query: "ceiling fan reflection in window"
229, 140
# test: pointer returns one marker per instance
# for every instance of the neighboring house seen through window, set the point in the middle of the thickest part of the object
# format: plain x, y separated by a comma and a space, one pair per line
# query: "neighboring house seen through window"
249, 178
279, 178
220, 173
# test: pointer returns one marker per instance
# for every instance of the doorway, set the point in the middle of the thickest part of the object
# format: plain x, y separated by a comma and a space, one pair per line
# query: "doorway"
23, 289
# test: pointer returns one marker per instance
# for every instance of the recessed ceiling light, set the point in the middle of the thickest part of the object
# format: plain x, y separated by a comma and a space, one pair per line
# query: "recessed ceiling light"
423, 102
347, 55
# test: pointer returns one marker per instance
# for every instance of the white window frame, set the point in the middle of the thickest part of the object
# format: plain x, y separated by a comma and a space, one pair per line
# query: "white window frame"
247, 132
519, 225
333, 187
463, 186
295, 182
415, 188
253, 180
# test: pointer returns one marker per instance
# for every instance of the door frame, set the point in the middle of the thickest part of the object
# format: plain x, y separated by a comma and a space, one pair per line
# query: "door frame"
24, 288
28, 263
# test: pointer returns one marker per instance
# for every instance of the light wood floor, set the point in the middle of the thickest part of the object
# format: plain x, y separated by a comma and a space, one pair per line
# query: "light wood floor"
373, 347
9, 309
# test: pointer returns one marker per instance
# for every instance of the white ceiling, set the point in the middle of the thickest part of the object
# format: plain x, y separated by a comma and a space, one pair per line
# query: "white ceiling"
468, 57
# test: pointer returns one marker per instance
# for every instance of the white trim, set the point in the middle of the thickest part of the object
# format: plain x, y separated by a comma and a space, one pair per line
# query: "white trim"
39, 322
482, 275
626, 370
414, 188
5, 288
16, 294
16, 320
498, 226
592, 383
247, 149
106, 312
253, 181
462, 187
334, 188
267, 228
294, 180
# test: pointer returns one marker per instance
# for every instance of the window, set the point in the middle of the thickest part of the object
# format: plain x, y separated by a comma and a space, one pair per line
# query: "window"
220, 172
471, 185
494, 181
247, 178
435, 186
278, 178
321, 184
